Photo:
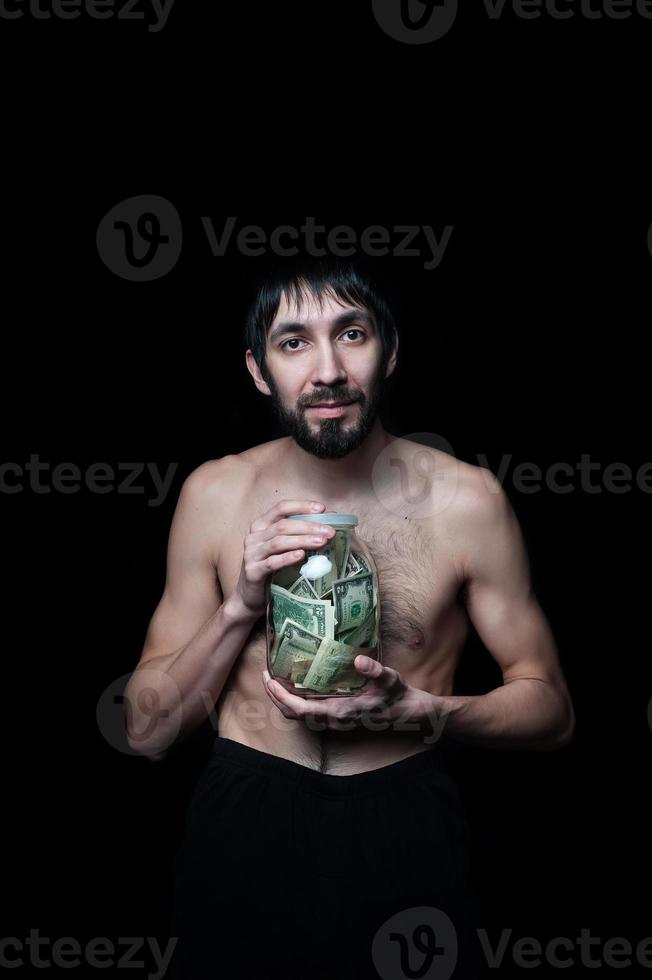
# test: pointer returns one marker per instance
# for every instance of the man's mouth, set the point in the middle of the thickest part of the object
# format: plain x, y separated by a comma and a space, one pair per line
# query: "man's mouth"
330, 408
330, 404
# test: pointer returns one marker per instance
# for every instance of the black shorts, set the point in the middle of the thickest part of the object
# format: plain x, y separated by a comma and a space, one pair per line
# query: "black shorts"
287, 872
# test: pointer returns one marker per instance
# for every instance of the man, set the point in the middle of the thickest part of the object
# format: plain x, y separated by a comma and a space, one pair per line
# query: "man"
316, 822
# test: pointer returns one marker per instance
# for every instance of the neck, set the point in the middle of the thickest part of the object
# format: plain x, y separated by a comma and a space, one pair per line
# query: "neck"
335, 481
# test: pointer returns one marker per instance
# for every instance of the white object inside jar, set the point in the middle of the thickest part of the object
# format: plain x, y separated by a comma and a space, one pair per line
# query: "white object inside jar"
316, 567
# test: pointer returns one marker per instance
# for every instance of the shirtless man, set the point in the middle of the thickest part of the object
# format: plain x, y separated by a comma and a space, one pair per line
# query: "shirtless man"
459, 558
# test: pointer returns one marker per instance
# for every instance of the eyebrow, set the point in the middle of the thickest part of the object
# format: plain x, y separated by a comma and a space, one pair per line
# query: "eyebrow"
343, 320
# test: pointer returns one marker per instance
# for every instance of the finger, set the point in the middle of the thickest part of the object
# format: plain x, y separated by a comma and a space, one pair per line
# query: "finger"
386, 677
283, 698
370, 667
285, 711
283, 543
294, 526
283, 508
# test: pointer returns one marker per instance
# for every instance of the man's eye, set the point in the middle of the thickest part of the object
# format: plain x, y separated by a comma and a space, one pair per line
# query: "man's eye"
290, 341
295, 339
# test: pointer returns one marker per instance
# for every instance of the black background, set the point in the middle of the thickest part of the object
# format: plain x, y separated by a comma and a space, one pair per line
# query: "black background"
527, 340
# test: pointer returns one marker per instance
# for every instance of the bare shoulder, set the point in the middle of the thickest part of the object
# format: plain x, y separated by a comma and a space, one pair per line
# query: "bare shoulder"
479, 495
470, 497
263, 457
231, 478
442, 485
456, 502
481, 522
217, 479
214, 476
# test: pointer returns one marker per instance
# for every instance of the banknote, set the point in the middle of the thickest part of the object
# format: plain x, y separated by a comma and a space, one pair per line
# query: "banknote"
303, 588
314, 615
300, 669
333, 667
362, 635
353, 599
361, 563
296, 650
352, 566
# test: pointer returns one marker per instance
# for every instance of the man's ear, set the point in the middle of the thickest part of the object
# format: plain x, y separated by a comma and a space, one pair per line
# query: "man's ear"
391, 363
254, 371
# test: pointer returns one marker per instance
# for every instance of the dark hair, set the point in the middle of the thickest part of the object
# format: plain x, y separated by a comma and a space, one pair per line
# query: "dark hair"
347, 280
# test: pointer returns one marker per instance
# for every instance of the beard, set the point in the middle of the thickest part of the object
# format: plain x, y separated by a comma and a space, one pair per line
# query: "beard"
331, 438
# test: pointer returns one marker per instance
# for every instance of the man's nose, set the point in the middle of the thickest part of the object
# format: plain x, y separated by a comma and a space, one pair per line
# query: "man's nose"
328, 368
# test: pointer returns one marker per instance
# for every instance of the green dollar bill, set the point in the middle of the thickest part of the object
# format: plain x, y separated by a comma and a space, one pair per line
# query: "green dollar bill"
314, 615
354, 599
352, 566
303, 588
362, 635
362, 563
333, 667
297, 649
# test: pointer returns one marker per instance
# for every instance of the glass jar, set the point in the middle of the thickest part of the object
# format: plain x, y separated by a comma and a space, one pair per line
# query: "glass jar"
322, 611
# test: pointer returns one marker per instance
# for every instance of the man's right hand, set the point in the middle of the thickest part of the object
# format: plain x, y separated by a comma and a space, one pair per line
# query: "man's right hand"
274, 542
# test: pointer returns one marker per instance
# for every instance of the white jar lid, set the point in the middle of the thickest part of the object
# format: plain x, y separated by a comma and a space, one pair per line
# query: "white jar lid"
328, 517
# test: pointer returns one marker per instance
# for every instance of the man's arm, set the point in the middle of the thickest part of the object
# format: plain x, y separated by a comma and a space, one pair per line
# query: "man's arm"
532, 709
194, 637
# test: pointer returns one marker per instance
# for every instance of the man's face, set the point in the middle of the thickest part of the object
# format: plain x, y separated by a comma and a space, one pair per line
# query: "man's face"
326, 354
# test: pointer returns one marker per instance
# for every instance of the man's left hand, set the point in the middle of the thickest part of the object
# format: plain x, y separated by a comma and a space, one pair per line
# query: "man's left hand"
385, 699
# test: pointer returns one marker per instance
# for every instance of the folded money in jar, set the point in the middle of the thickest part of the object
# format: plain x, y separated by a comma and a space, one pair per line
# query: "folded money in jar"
322, 612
